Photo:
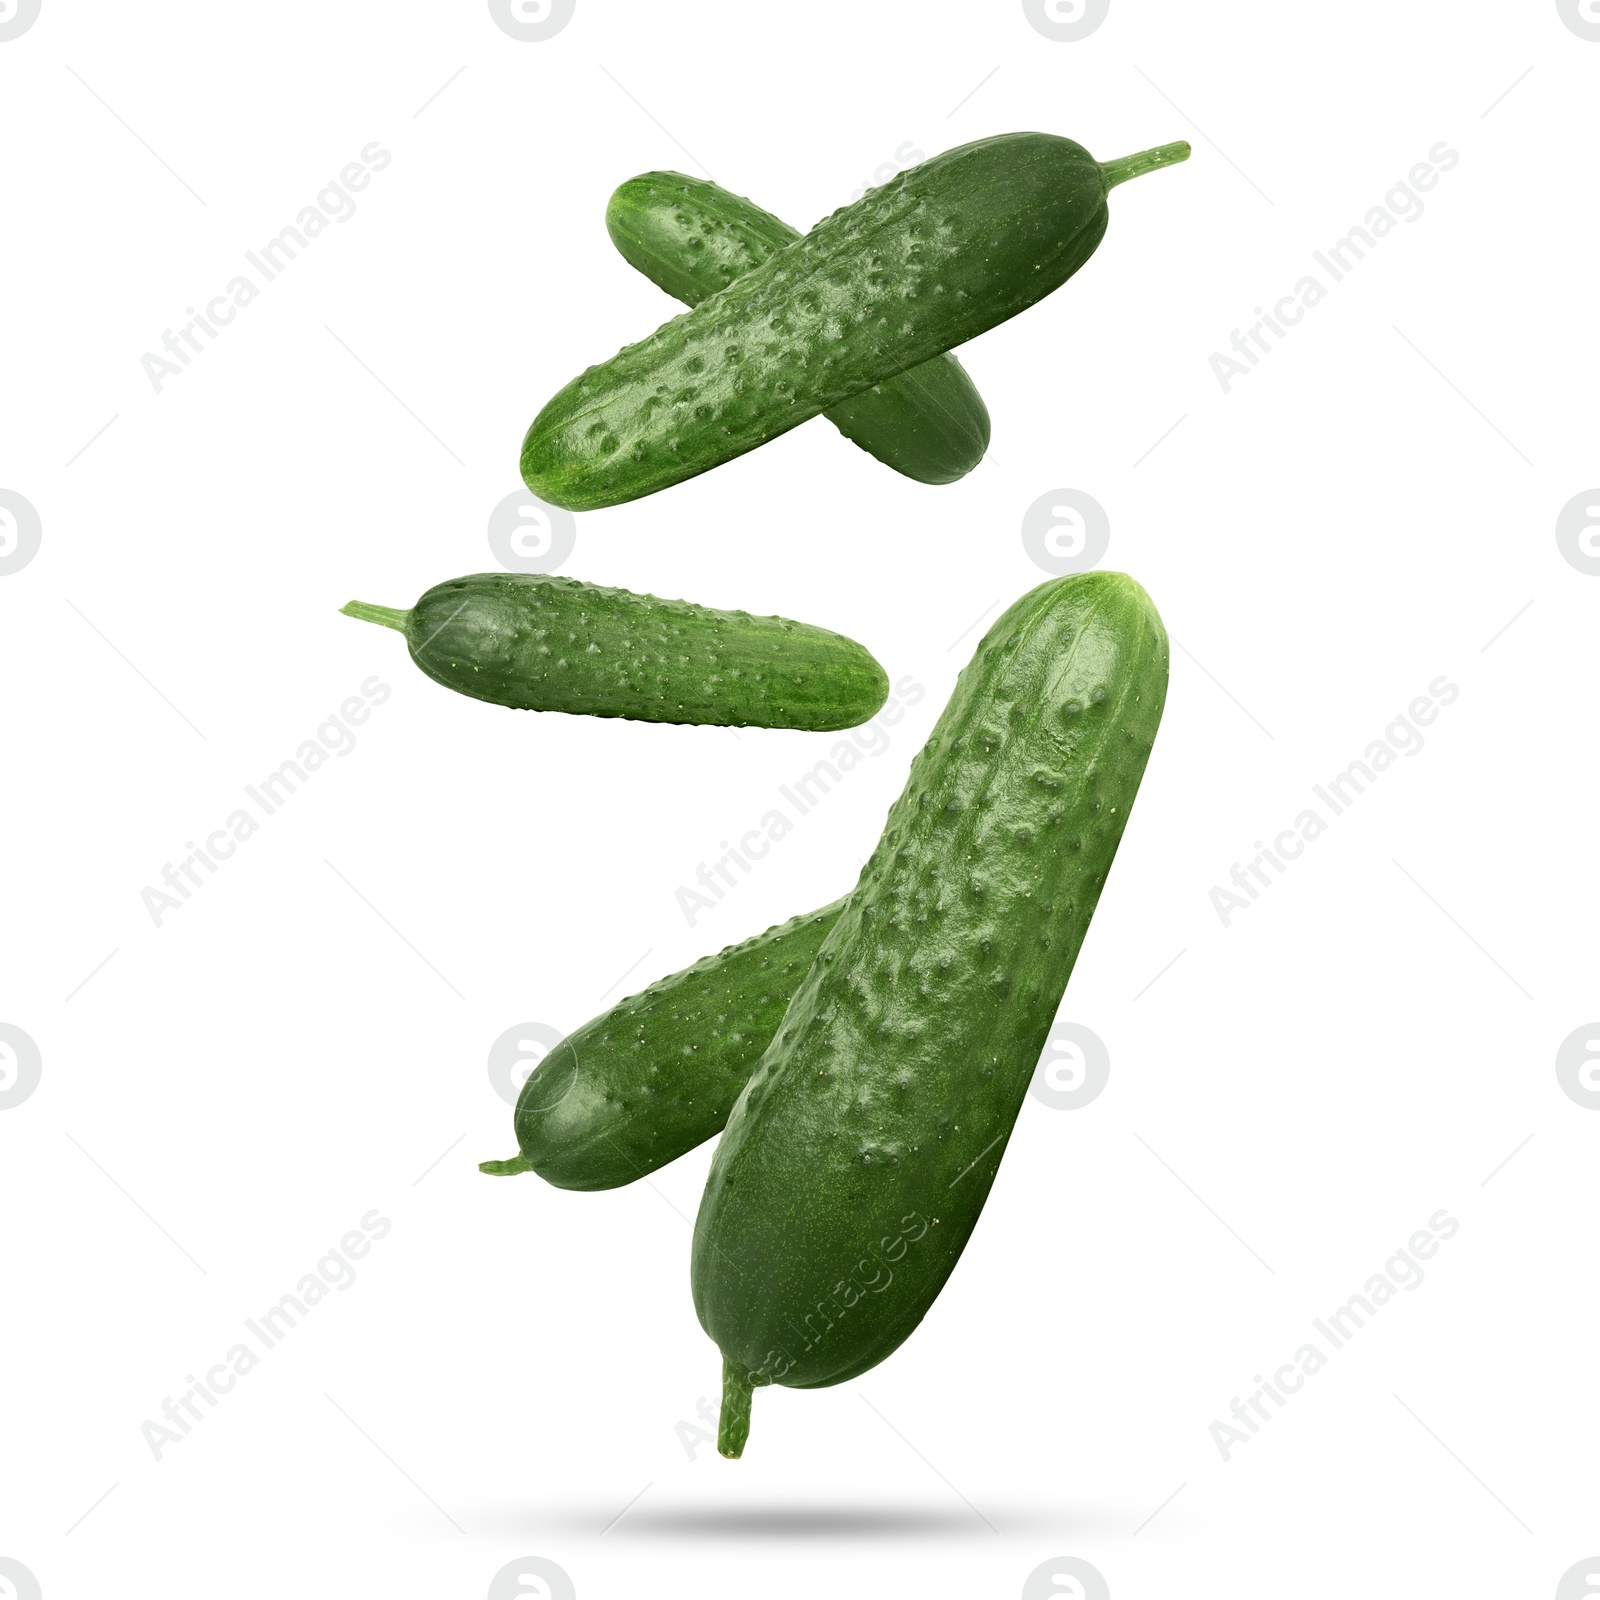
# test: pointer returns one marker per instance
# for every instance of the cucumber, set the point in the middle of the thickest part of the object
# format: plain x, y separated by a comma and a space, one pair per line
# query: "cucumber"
855, 1164
542, 643
656, 1075
939, 254
693, 238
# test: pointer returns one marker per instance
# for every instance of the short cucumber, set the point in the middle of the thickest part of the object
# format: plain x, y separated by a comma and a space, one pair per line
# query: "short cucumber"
656, 1075
543, 643
939, 254
693, 238
855, 1164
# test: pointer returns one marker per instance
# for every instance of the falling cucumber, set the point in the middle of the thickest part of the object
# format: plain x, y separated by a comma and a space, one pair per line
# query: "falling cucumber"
856, 1162
941, 253
537, 642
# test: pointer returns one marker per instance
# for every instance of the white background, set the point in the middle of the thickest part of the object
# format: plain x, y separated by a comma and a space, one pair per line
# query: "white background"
306, 1039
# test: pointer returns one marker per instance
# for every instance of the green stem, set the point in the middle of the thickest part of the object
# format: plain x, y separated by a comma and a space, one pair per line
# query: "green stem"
733, 1425
1164, 155
385, 616
506, 1169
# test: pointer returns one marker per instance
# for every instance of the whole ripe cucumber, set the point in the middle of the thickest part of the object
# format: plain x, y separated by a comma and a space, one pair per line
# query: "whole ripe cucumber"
939, 254
855, 1164
693, 238
542, 643
653, 1077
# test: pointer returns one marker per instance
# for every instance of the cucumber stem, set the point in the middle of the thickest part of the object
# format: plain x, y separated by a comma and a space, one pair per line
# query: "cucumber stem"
386, 616
506, 1169
1164, 155
733, 1422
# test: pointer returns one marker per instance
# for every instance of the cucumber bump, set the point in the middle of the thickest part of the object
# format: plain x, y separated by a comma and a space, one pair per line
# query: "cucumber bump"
537, 642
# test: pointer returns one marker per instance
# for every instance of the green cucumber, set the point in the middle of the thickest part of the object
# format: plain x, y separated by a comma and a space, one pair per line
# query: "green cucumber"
658, 1074
855, 1164
693, 238
542, 643
939, 254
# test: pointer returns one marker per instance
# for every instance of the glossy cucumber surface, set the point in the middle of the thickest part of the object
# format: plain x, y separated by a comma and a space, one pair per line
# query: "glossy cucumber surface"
657, 1074
693, 238
857, 1160
939, 254
537, 642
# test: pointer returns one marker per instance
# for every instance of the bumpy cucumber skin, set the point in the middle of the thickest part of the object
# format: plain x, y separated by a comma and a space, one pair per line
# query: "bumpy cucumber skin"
538, 642
693, 238
856, 1162
658, 1074
939, 254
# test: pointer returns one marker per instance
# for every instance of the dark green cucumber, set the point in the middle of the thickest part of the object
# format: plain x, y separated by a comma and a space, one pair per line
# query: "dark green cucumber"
939, 254
693, 238
855, 1164
543, 643
658, 1074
